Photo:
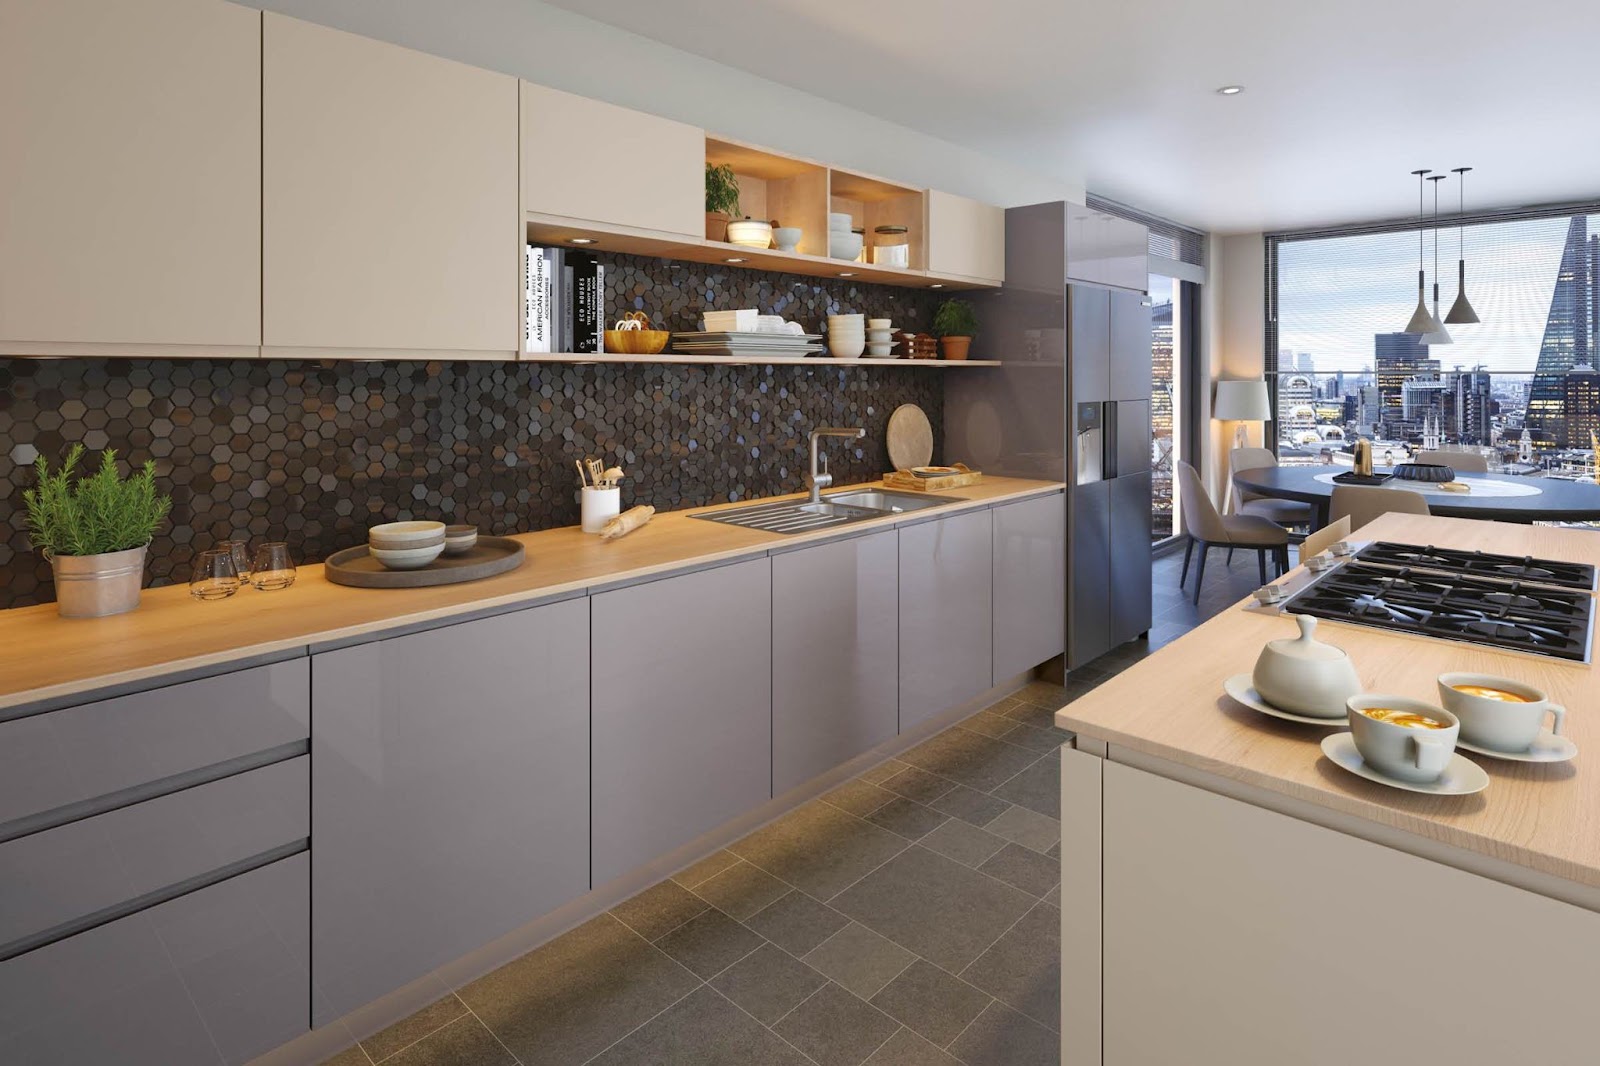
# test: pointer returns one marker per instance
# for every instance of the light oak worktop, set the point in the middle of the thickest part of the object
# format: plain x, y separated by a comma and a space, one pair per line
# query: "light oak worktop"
1542, 817
45, 657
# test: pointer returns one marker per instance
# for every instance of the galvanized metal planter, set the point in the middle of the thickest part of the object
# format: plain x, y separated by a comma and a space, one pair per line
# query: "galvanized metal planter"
94, 586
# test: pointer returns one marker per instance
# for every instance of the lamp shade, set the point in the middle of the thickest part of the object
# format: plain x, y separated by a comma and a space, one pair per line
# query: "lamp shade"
1242, 401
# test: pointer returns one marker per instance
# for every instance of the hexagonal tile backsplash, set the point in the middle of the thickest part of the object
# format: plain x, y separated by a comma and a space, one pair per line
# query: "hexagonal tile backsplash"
315, 453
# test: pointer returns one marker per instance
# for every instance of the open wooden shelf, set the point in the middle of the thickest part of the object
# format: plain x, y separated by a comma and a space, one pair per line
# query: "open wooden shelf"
773, 360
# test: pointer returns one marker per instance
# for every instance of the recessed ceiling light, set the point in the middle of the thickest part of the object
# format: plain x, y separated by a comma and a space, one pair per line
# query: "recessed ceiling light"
735, 259
1230, 90
847, 273
580, 240
937, 285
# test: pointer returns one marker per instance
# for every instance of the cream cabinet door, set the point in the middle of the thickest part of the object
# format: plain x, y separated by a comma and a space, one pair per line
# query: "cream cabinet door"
596, 162
966, 237
389, 200
130, 191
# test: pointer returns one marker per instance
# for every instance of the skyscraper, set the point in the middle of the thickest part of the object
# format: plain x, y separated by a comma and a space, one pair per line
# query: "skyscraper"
1399, 357
1581, 398
1569, 331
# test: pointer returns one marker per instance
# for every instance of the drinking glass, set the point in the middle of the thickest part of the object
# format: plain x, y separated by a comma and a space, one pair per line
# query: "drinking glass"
273, 567
215, 576
240, 550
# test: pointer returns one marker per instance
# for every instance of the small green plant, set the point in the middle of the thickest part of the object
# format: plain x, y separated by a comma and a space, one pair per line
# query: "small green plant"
722, 191
99, 512
955, 319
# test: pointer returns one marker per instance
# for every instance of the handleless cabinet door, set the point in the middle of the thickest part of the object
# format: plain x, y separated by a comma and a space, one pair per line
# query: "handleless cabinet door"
450, 794
130, 192
946, 614
1089, 343
966, 237
1129, 344
390, 216
1030, 584
682, 710
1131, 520
835, 640
596, 162
1126, 251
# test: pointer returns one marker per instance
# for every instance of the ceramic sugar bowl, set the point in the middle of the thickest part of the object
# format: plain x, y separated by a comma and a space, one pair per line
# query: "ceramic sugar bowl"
1306, 676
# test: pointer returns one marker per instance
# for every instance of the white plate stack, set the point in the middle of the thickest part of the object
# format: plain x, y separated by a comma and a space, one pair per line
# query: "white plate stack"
847, 336
843, 242
880, 338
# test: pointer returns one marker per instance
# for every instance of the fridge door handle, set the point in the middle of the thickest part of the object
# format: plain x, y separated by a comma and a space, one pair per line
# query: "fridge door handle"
1108, 438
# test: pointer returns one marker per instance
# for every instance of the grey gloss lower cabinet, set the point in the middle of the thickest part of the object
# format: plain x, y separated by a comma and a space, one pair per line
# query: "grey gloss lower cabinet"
1030, 584
835, 640
682, 710
450, 780
946, 618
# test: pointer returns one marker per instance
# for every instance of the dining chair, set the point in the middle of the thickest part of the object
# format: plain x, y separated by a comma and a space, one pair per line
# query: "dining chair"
1318, 542
1461, 462
1208, 528
1283, 512
1362, 503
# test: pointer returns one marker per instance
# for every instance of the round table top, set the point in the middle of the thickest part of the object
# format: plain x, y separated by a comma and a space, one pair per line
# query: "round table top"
1506, 497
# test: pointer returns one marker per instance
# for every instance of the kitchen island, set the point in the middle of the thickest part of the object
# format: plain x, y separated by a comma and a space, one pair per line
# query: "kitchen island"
1231, 897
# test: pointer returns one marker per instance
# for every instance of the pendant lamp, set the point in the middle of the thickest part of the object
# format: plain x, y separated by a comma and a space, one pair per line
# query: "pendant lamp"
1421, 320
1461, 312
1439, 335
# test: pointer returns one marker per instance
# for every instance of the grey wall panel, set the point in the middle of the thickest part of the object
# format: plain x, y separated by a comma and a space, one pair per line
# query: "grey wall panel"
682, 710
450, 782
75, 870
946, 614
835, 643
1030, 584
216, 976
77, 753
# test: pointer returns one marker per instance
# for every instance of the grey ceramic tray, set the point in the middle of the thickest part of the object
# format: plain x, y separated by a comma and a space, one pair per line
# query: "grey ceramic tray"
490, 556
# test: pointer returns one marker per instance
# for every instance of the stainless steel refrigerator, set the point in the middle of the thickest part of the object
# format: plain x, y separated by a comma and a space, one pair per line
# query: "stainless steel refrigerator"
1071, 403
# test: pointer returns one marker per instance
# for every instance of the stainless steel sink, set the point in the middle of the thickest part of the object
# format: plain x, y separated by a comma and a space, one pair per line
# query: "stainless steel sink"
836, 509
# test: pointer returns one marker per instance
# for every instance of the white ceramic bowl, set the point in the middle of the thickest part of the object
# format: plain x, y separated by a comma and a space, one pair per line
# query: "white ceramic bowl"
844, 245
840, 222
407, 558
458, 540
787, 238
399, 536
879, 323
750, 233
848, 320
881, 351
846, 347
879, 336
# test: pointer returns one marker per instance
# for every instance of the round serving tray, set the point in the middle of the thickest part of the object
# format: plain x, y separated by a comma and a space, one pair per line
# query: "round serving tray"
490, 556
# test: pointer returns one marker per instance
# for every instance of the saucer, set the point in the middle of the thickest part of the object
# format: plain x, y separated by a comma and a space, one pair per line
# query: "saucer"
1461, 776
1547, 748
1240, 690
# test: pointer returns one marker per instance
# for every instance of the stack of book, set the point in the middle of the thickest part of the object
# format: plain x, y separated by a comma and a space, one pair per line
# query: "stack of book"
566, 301
747, 345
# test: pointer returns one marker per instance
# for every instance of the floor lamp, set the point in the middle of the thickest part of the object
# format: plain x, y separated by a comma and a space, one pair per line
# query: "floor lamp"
1240, 402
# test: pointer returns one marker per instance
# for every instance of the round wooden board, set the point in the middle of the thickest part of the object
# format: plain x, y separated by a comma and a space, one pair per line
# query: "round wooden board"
910, 437
490, 556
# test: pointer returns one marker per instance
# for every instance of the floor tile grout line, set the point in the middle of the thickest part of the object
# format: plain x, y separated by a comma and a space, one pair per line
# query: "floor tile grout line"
474, 1015
653, 1017
899, 1025
779, 1020
418, 1040
764, 1025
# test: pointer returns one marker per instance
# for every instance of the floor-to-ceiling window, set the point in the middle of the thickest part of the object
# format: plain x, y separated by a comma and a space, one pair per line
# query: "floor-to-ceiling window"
1521, 385
1165, 405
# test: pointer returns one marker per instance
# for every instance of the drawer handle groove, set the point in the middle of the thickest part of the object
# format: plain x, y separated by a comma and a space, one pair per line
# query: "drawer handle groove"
68, 813
106, 915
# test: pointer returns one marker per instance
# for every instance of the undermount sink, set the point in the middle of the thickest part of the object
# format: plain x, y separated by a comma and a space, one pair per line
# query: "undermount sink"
835, 509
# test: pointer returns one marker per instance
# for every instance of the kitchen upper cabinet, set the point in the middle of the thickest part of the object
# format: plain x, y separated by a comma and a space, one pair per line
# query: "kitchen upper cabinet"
1106, 250
1030, 584
130, 195
682, 710
450, 790
946, 614
390, 216
835, 636
966, 237
596, 162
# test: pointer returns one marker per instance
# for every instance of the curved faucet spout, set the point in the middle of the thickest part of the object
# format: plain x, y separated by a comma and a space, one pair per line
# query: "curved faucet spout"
818, 480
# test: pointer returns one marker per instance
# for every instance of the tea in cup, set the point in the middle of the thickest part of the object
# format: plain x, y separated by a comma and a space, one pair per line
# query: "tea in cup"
1401, 737
1497, 712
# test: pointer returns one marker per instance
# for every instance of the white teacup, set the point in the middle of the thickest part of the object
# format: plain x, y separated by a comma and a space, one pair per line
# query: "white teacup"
1509, 721
1414, 753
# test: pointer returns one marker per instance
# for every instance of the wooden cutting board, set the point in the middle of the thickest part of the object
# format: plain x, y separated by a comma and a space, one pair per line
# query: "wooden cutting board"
910, 437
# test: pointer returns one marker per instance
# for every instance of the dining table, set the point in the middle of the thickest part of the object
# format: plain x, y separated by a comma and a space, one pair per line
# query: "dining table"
1495, 497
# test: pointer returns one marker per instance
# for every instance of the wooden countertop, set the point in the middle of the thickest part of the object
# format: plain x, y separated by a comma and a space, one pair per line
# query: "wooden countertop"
1544, 817
45, 657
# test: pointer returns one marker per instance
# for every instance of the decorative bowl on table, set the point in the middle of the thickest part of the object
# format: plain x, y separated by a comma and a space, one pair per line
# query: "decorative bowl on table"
460, 539
404, 536
407, 558
1436, 473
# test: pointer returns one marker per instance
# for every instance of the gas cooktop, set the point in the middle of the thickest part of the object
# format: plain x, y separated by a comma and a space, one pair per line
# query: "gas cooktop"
1437, 593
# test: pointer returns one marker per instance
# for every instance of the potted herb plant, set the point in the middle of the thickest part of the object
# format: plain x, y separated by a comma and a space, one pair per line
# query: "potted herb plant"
722, 200
956, 325
94, 530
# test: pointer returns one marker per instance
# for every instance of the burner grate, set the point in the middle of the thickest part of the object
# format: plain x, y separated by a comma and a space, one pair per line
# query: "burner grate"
1480, 564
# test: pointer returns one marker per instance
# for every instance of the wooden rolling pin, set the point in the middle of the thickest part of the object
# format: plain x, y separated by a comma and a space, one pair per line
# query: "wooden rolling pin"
627, 522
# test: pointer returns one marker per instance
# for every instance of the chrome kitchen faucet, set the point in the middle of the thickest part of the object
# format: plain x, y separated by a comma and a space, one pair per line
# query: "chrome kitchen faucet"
817, 481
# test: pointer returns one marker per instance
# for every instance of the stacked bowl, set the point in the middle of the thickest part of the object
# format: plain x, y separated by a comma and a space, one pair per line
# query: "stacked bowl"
847, 337
880, 338
406, 545
843, 242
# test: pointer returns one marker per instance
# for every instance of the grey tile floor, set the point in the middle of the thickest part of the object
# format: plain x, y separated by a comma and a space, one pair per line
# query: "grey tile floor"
907, 918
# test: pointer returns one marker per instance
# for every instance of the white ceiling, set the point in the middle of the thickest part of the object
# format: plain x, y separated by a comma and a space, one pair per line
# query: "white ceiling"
1343, 99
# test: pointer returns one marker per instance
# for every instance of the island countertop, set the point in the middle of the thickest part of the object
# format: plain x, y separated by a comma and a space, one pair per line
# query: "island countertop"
44, 657
1544, 817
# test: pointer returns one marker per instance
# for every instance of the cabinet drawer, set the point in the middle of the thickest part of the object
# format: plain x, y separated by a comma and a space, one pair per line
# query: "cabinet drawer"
56, 879
219, 975
77, 755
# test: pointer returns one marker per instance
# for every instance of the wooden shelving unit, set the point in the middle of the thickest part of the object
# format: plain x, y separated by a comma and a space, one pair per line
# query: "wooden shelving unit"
822, 361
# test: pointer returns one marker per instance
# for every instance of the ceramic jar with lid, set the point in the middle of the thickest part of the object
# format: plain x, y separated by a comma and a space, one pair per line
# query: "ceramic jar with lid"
1305, 676
891, 247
